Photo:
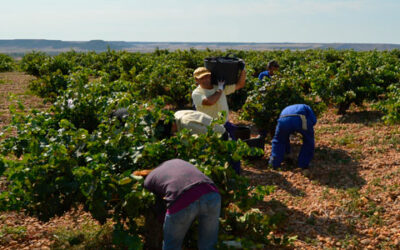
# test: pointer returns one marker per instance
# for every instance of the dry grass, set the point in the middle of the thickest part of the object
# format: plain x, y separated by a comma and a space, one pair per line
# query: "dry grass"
350, 198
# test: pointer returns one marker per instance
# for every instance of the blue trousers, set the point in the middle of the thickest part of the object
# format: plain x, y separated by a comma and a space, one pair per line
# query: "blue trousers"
231, 129
207, 210
281, 142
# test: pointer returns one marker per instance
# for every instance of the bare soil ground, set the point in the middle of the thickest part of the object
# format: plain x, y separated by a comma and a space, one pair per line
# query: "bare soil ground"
349, 198
13, 87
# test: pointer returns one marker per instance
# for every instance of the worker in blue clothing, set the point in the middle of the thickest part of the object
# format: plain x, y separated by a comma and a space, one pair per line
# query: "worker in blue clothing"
272, 67
295, 118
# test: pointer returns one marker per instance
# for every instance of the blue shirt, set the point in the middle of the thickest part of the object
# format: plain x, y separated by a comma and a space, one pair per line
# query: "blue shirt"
263, 74
300, 109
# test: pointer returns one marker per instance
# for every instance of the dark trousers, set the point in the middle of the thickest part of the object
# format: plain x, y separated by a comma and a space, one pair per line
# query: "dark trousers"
231, 129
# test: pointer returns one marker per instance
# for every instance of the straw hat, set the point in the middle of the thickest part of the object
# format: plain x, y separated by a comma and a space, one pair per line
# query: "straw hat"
201, 72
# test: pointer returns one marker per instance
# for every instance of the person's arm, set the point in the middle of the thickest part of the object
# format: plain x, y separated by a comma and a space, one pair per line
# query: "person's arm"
160, 209
212, 99
261, 76
242, 80
312, 115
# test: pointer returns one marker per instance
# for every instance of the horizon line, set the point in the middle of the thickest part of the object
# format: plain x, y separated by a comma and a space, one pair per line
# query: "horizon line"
211, 42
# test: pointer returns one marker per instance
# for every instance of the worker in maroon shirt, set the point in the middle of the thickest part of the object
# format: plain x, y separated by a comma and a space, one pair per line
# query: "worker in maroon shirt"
188, 194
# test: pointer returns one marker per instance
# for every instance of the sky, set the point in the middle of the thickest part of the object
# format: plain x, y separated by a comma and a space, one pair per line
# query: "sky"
260, 21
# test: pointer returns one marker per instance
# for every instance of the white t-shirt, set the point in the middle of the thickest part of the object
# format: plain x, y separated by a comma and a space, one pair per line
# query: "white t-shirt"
196, 121
199, 94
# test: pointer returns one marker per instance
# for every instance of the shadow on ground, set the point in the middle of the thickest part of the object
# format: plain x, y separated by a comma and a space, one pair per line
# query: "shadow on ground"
309, 226
273, 178
363, 117
335, 168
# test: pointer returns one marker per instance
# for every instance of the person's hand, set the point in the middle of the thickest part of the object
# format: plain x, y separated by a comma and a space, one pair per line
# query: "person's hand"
142, 173
221, 85
242, 64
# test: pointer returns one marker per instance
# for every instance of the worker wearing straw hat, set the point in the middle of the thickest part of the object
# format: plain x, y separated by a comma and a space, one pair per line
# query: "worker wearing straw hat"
211, 99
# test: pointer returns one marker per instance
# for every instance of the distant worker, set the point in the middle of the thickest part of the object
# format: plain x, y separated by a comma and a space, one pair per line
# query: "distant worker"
187, 194
295, 118
272, 67
211, 99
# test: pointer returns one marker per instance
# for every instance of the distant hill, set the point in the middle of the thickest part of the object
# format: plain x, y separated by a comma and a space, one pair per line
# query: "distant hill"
20, 46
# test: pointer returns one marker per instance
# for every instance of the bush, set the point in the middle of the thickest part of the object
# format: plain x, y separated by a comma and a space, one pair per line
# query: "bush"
391, 105
166, 78
32, 62
49, 86
6, 63
56, 162
264, 104
354, 78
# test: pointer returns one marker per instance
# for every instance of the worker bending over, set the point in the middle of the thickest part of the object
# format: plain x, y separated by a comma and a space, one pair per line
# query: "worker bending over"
295, 118
187, 194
